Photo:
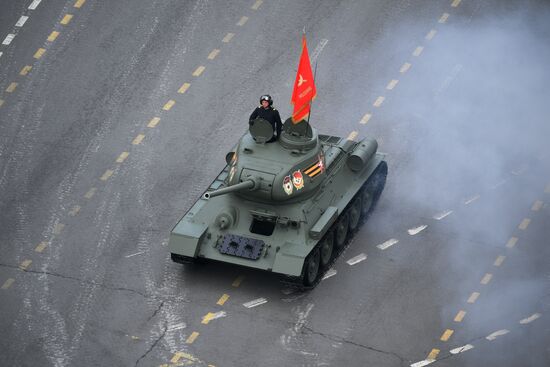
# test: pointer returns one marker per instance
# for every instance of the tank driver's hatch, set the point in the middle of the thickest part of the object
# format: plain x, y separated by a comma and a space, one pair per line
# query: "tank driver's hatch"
261, 130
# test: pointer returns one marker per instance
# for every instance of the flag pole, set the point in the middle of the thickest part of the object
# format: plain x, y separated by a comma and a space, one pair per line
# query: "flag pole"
311, 107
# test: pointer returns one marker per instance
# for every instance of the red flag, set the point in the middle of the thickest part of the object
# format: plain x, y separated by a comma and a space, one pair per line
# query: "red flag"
304, 87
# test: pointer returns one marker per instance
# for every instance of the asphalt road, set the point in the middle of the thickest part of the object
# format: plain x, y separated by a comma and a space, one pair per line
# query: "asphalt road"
115, 120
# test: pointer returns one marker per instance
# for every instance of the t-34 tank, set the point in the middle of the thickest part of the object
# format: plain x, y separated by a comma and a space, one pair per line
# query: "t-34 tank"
288, 206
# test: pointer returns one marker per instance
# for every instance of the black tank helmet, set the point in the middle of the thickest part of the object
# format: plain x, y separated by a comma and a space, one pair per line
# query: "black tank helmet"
266, 97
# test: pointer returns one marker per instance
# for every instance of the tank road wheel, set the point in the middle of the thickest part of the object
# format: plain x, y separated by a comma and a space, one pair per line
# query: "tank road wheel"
311, 267
326, 247
354, 211
341, 231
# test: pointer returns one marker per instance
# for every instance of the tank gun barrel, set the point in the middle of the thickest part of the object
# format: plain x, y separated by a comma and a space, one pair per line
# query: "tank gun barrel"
251, 183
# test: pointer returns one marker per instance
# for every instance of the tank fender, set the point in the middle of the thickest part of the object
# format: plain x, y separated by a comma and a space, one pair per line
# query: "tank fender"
362, 154
186, 238
323, 223
289, 259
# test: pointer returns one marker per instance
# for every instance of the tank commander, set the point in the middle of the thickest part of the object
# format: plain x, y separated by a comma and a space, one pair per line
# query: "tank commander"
267, 112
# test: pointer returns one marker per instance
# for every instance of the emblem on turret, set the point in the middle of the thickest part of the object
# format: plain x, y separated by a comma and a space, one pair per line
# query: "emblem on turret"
298, 180
287, 185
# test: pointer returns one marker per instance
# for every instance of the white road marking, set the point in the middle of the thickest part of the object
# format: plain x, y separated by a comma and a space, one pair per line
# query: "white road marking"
496, 334
320, 46
357, 259
1, 53
417, 230
330, 273
442, 215
530, 319
462, 349
21, 21
8, 39
34, 4
387, 244
423, 363
175, 327
499, 184
471, 200
137, 253
255, 302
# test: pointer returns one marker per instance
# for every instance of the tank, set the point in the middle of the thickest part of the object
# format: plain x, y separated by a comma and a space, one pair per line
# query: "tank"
289, 206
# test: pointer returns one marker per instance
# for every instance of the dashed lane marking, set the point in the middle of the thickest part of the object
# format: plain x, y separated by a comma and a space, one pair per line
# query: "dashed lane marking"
257, 5
499, 260
194, 335
74, 211
90, 193
242, 21
212, 316
198, 71
536, 206
392, 84
433, 354
34, 4
431, 34
25, 264
417, 51
122, 157
228, 37
153, 123
511, 242
443, 18
352, 135
184, 88
237, 282
8, 39
496, 334
461, 349
255, 302
21, 21
79, 3
137, 140
524, 224
179, 355
329, 273
365, 118
58, 228
168, 105
455, 3
357, 259
414, 231
446, 335
108, 173
66, 19
379, 101
212, 55
39, 53
473, 297
471, 200
41, 246
406, 66
442, 215
529, 319
53, 36
486, 279
11, 88
223, 299
26, 69
460, 316
8, 283
387, 244
423, 363
132, 255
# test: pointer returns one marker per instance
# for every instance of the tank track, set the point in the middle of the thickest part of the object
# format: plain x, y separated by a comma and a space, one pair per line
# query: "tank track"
376, 181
